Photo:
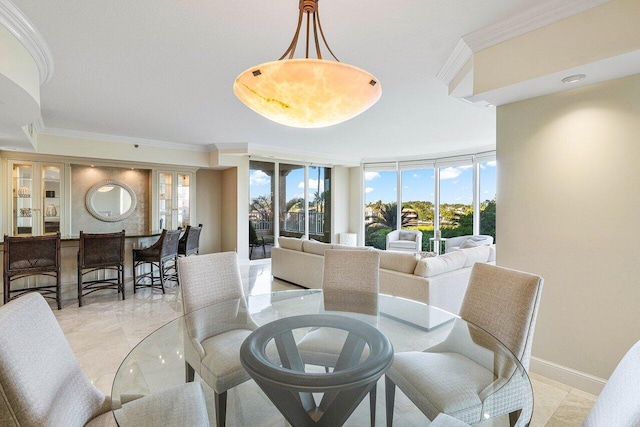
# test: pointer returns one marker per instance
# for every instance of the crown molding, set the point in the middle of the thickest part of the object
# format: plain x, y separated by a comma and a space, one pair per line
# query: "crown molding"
537, 16
460, 55
66, 133
20, 26
281, 153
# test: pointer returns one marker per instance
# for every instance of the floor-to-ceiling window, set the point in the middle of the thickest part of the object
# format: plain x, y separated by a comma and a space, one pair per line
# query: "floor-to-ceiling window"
292, 206
488, 197
319, 203
381, 203
454, 195
261, 212
418, 199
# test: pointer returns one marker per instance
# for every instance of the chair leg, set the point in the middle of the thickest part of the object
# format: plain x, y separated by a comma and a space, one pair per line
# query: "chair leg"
121, 281
190, 373
79, 287
221, 408
161, 272
372, 404
135, 281
5, 295
58, 290
390, 395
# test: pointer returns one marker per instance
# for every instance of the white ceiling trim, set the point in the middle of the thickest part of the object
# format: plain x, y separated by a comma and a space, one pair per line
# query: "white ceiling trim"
542, 14
20, 26
280, 153
122, 139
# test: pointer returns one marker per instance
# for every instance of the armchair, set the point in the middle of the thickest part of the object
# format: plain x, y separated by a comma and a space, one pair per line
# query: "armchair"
404, 240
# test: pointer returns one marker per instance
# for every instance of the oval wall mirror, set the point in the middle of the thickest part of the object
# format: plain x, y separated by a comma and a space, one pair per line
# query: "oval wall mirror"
111, 200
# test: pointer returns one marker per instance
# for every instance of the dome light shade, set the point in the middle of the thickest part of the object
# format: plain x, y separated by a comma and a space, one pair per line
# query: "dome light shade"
307, 93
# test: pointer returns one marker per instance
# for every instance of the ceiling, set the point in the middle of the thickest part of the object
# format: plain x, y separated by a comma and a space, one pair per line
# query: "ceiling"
161, 72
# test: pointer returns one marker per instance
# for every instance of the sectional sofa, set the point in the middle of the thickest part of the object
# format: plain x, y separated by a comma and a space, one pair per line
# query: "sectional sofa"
440, 281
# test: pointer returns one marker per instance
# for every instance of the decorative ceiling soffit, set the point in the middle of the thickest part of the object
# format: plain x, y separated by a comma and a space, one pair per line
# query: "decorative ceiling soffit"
542, 13
19, 25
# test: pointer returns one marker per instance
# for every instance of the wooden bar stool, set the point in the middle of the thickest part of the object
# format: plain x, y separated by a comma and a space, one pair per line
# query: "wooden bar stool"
32, 256
162, 255
100, 252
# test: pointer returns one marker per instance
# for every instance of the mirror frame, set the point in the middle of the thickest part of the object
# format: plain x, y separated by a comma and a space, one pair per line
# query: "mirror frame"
94, 189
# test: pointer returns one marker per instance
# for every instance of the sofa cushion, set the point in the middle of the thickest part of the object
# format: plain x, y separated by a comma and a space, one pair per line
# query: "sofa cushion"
429, 267
398, 261
407, 235
316, 248
477, 254
352, 248
474, 241
402, 244
290, 243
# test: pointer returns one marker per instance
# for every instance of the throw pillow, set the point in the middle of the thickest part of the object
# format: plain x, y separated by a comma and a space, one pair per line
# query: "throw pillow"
426, 254
407, 235
471, 243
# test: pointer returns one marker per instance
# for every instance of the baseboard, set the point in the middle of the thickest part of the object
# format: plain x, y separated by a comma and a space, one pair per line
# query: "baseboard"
571, 377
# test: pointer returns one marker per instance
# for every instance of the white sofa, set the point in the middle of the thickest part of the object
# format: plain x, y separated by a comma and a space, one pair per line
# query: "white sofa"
439, 281
404, 240
462, 242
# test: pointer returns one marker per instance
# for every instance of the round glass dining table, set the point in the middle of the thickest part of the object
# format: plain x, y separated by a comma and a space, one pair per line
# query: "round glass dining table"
157, 363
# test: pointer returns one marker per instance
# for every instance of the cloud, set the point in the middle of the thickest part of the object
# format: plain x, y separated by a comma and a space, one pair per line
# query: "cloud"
453, 172
259, 178
370, 176
313, 187
415, 175
368, 190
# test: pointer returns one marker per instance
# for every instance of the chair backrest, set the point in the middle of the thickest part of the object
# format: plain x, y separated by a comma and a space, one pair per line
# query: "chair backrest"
170, 243
350, 280
617, 404
97, 250
41, 382
190, 241
208, 279
504, 302
31, 254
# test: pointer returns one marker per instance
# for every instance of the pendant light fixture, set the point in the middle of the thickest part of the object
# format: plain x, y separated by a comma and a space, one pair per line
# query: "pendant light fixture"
307, 92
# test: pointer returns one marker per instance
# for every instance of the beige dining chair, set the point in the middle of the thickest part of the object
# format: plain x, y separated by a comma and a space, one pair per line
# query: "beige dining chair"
617, 404
212, 348
504, 303
350, 283
41, 382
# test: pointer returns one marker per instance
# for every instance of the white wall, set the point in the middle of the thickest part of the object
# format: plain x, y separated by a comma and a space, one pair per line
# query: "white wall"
339, 202
568, 209
209, 209
356, 205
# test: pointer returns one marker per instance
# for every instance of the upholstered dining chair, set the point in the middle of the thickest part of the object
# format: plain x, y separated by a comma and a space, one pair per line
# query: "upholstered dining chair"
501, 301
617, 404
41, 382
214, 354
350, 283
189, 243
162, 255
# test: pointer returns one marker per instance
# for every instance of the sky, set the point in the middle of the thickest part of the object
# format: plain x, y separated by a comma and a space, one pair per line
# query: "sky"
456, 184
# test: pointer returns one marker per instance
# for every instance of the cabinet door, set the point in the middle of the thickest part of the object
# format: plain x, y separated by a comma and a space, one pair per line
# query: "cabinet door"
165, 200
35, 198
183, 194
51, 185
22, 201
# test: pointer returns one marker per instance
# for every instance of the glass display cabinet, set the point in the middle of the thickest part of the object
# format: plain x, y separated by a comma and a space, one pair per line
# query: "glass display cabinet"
36, 192
174, 199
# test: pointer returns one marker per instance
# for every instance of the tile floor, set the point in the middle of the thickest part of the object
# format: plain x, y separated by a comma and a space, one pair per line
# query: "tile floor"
105, 329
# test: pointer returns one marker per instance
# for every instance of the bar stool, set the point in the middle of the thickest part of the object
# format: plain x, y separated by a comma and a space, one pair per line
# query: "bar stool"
162, 255
32, 256
100, 252
190, 241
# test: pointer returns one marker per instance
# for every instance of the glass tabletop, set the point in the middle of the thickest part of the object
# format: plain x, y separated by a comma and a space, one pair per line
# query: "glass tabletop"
158, 362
